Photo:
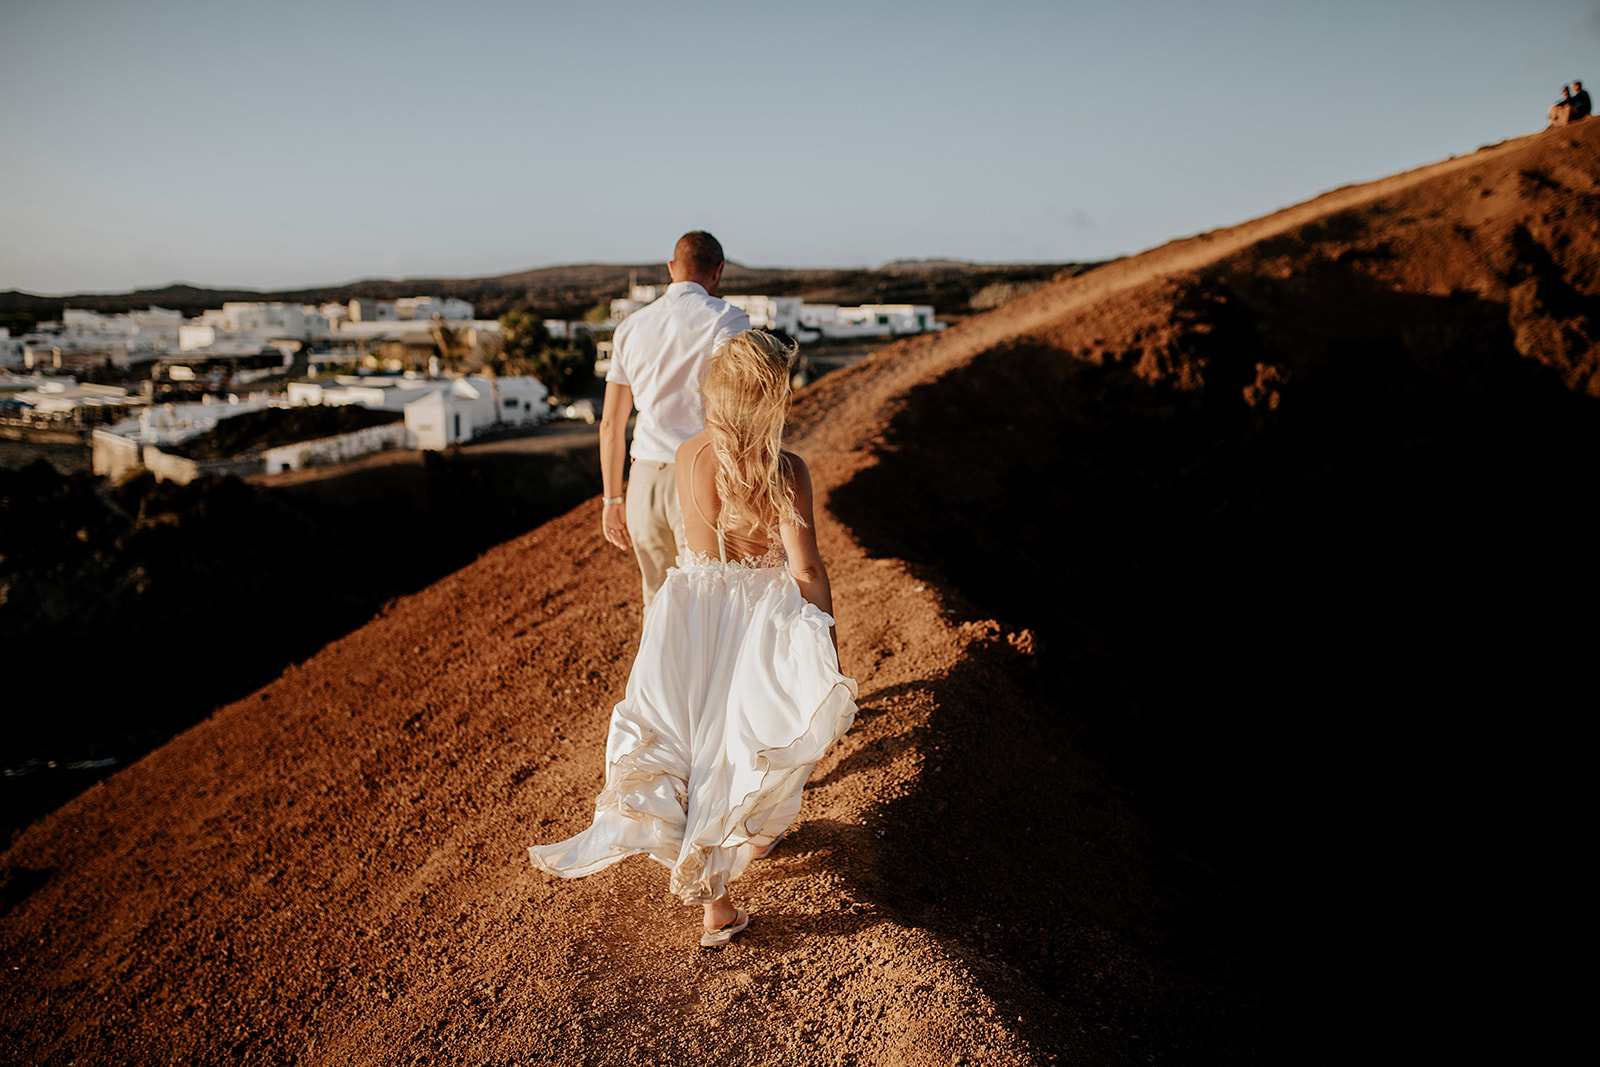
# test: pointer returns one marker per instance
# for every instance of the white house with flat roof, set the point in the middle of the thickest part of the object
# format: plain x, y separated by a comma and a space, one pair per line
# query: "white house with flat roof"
89, 338
438, 411
426, 307
66, 402
378, 393
245, 326
898, 318
770, 312
522, 400
864, 320
450, 416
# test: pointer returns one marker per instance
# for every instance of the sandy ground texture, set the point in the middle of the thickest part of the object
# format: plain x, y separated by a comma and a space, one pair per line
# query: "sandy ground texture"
332, 870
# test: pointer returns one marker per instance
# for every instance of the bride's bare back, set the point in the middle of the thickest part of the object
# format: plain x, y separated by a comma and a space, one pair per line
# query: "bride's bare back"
701, 507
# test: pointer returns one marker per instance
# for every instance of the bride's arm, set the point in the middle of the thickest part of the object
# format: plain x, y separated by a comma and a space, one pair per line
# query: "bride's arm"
800, 542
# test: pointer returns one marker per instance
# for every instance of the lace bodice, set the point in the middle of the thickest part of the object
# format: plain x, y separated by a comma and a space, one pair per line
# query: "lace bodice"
773, 557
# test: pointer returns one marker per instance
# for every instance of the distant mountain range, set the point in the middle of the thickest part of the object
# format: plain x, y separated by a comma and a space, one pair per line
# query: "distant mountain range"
569, 291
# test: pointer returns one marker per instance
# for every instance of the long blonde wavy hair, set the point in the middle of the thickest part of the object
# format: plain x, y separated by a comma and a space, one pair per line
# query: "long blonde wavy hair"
746, 391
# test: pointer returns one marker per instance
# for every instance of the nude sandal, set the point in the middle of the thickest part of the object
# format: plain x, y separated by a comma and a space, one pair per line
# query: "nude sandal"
723, 934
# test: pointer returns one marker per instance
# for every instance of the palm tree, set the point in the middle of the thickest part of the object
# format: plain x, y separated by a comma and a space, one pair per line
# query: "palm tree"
450, 343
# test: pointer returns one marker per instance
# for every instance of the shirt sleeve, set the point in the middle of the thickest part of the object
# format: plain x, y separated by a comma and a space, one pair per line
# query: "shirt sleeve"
733, 322
615, 373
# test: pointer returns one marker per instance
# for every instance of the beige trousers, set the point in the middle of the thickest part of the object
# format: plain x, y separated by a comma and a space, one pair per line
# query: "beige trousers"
655, 522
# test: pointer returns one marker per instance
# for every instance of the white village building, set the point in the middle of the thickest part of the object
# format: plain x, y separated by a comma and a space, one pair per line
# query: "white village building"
770, 312
439, 412
523, 400
864, 320
426, 308
449, 416
638, 296
10, 349
66, 403
250, 324
88, 338
381, 393
473, 405
804, 322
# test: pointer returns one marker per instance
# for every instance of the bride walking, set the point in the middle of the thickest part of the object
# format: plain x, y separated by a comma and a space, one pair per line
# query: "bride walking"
736, 691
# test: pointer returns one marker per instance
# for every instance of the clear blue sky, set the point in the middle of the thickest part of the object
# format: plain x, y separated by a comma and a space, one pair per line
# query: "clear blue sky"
273, 144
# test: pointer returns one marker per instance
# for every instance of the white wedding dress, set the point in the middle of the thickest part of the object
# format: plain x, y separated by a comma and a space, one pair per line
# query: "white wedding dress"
734, 696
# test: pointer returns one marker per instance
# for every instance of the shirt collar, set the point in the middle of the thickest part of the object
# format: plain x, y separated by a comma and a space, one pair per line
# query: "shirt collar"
687, 287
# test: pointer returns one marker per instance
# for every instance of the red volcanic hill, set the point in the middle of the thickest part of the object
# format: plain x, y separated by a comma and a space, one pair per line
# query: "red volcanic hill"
1176, 591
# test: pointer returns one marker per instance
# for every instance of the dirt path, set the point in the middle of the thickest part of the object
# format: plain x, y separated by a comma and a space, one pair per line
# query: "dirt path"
332, 870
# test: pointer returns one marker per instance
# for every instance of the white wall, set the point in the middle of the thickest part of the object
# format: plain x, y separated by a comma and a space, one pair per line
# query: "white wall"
114, 455
169, 468
339, 449
303, 394
196, 335
428, 424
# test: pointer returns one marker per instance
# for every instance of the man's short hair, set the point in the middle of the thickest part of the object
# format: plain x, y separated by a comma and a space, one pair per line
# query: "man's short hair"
698, 251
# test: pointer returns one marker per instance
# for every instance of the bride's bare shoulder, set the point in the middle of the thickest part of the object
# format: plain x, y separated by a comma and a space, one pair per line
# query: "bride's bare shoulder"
688, 450
795, 469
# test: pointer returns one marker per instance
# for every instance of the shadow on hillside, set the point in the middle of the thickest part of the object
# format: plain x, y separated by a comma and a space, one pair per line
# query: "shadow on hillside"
130, 612
1316, 646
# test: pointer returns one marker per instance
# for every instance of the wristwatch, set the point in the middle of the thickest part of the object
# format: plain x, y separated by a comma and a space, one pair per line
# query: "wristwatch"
609, 500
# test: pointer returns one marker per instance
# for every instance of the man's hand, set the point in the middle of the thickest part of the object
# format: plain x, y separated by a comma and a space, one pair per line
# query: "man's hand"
614, 524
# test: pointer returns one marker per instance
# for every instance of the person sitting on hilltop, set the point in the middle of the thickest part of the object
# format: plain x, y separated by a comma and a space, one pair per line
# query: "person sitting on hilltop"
1561, 111
1580, 102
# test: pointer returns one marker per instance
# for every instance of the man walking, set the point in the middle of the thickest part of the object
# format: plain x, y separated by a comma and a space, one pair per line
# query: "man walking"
657, 360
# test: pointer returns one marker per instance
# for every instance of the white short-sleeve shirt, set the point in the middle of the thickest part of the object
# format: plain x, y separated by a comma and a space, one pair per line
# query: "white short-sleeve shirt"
659, 352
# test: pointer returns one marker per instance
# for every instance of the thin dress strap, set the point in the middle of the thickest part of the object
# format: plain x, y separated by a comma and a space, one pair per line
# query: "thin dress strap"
722, 547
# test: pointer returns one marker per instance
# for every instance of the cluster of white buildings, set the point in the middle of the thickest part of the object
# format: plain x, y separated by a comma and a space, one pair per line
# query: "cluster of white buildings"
89, 339
85, 339
806, 323
230, 347
62, 402
234, 345
435, 413
439, 412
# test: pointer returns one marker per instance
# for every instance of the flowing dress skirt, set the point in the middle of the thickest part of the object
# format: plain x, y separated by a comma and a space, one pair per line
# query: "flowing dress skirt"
734, 697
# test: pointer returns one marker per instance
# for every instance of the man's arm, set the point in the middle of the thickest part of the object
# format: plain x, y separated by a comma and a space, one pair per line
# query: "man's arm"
613, 460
